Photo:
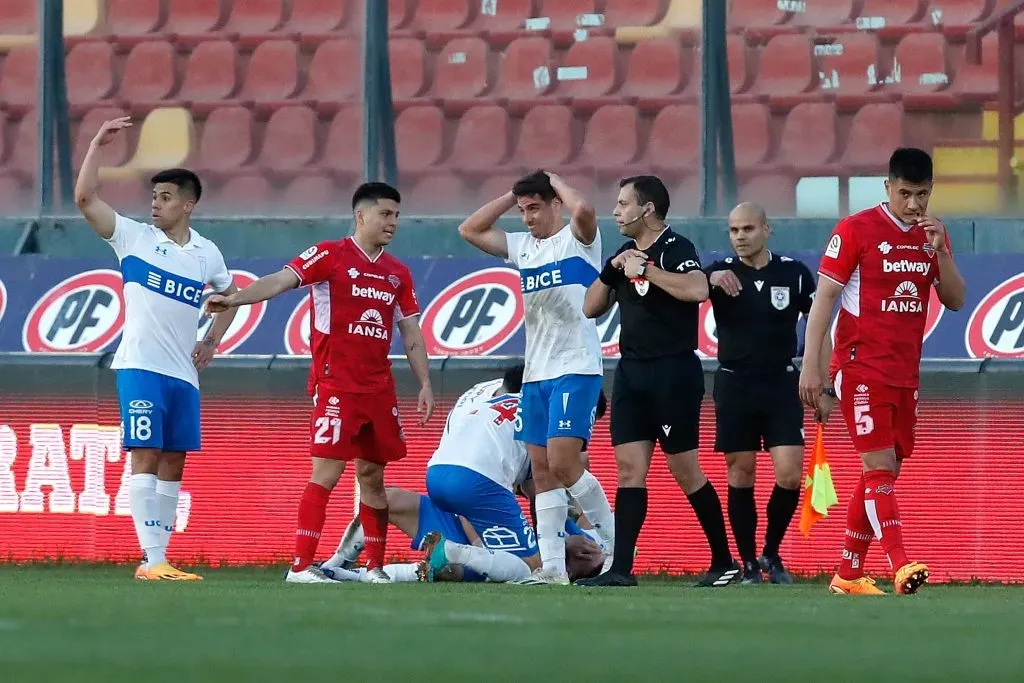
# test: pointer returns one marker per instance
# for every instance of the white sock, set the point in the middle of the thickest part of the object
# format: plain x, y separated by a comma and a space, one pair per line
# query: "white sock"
552, 510
401, 573
337, 559
588, 493
167, 509
142, 502
494, 565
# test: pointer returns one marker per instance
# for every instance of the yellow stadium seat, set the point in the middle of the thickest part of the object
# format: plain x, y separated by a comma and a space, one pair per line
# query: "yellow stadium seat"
165, 141
81, 16
682, 15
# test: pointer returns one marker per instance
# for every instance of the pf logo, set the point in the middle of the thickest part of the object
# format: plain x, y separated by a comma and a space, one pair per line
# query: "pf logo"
83, 313
474, 315
245, 322
609, 326
3, 299
296, 332
996, 327
707, 331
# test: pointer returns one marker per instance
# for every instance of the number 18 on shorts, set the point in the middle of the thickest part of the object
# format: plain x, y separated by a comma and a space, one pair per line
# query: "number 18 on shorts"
158, 411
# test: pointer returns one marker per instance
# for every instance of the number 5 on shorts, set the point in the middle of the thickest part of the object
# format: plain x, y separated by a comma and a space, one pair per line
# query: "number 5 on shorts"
325, 424
865, 423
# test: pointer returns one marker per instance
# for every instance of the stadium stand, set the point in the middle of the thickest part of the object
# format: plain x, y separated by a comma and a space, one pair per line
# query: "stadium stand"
592, 88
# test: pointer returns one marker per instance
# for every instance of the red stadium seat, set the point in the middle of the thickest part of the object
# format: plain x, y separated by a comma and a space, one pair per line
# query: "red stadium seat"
588, 71
612, 139
808, 137
849, 67
211, 75
545, 137
481, 139
253, 17
149, 74
895, 14
24, 153
686, 195
567, 15
419, 138
408, 68
525, 71
658, 68
400, 13
226, 142
980, 82
15, 196
787, 69
461, 71
90, 72
18, 17
436, 194
114, 153
289, 141
741, 75
246, 194
331, 78
775, 193
273, 73
751, 125
924, 70
756, 17
618, 13
957, 16
673, 147
344, 149
317, 20
312, 195
493, 186
191, 17
3, 138
18, 78
875, 131
133, 17
439, 16
826, 14
502, 20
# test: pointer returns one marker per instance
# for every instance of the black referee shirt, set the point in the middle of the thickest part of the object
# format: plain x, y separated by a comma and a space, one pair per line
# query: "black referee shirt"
757, 329
653, 322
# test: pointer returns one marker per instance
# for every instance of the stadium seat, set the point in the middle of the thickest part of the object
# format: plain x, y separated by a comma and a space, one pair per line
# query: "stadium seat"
436, 194
247, 195
273, 73
328, 82
611, 142
24, 153
545, 137
408, 68
481, 139
741, 73
4, 146
114, 153
588, 73
400, 13
849, 67
891, 17
460, 73
566, 15
686, 194
441, 16
255, 17
89, 68
211, 75
775, 193
312, 195
673, 147
955, 17
343, 152
979, 82
751, 126
165, 141
808, 139
680, 17
502, 21
318, 17
18, 79
81, 17
658, 69
14, 195
226, 142
787, 70
826, 15
17, 16
149, 75
492, 186
525, 72
289, 140
924, 71
757, 18
618, 13
133, 17
195, 17
876, 130
419, 138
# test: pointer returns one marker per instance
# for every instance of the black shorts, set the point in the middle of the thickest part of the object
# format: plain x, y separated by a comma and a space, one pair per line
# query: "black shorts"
755, 412
659, 400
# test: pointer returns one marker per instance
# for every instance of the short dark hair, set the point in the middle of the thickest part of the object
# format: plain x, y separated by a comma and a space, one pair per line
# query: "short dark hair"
373, 192
649, 188
513, 378
602, 405
536, 184
910, 164
187, 181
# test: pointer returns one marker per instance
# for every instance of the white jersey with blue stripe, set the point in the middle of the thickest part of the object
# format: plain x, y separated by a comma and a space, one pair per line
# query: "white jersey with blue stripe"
163, 289
555, 273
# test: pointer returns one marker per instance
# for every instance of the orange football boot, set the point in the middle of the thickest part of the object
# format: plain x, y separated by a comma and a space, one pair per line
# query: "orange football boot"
910, 577
862, 586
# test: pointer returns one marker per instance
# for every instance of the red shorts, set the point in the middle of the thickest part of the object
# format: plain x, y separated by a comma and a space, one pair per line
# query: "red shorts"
878, 416
347, 426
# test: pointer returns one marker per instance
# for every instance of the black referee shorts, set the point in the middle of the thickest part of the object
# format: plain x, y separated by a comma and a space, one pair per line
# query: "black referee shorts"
757, 412
659, 400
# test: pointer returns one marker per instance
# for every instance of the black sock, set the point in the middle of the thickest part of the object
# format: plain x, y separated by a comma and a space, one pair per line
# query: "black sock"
708, 507
781, 508
630, 513
533, 512
743, 520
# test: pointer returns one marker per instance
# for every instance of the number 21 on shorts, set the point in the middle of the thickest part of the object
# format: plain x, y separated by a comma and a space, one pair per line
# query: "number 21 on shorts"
328, 430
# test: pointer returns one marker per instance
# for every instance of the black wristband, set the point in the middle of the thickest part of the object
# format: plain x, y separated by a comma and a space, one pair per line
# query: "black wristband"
609, 274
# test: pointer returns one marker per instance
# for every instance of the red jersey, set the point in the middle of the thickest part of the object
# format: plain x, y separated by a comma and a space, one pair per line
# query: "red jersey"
355, 303
888, 269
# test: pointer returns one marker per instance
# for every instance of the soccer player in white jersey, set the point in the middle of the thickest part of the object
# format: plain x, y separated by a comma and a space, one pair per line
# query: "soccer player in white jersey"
165, 267
564, 369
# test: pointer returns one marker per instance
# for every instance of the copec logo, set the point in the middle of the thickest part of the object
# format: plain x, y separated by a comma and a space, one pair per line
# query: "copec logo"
996, 327
296, 332
83, 313
245, 322
475, 315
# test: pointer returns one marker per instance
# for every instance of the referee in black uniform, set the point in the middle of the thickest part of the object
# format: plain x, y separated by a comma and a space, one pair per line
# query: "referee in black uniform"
757, 298
659, 384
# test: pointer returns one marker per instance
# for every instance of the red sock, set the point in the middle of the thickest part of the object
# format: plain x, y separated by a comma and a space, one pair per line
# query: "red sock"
312, 513
884, 513
858, 536
375, 529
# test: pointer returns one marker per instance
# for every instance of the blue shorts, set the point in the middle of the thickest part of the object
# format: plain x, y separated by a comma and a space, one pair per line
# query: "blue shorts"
158, 411
491, 509
564, 406
433, 518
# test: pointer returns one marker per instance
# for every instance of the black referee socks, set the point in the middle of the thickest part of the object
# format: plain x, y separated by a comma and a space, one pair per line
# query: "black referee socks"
781, 508
708, 508
630, 513
743, 520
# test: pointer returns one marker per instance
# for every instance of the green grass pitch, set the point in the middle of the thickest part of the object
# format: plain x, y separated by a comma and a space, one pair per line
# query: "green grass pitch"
82, 624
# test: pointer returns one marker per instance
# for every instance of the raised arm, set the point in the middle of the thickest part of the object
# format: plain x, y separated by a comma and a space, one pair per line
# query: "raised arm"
479, 228
99, 214
267, 287
583, 218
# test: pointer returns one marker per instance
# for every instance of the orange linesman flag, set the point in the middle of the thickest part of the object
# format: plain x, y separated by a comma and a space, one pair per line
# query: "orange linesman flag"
819, 492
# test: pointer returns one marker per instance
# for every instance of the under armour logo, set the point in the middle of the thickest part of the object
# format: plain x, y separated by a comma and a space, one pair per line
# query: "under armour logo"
565, 424
161, 250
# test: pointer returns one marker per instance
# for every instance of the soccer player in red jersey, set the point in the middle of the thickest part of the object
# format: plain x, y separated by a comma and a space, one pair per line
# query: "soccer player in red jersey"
358, 292
881, 264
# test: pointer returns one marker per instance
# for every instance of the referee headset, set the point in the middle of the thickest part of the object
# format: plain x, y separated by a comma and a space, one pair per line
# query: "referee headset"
648, 210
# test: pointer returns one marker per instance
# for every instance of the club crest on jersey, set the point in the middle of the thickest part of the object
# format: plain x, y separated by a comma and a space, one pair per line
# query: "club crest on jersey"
928, 249
780, 298
394, 281
642, 285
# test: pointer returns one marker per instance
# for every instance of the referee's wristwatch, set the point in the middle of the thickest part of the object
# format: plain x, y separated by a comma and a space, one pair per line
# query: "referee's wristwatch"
641, 269
830, 392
